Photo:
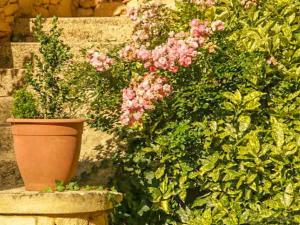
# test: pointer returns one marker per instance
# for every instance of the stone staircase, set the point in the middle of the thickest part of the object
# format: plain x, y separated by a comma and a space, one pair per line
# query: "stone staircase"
102, 33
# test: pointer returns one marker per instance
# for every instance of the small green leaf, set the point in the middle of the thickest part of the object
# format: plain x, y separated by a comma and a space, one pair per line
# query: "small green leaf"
288, 195
244, 122
160, 172
277, 132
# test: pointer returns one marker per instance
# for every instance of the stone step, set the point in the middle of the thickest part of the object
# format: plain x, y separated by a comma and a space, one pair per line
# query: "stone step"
10, 79
89, 29
15, 54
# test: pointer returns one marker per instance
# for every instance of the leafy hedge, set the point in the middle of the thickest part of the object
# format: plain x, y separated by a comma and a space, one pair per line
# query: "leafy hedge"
223, 148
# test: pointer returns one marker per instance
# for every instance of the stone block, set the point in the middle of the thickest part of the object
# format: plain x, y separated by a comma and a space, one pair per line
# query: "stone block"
54, 2
70, 205
71, 221
11, 9
87, 3
4, 26
45, 221
99, 220
9, 19
5, 108
85, 12
3, 3
42, 11
17, 220
108, 9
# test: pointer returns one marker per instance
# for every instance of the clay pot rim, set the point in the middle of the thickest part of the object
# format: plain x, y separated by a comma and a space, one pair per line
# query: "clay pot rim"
45, 121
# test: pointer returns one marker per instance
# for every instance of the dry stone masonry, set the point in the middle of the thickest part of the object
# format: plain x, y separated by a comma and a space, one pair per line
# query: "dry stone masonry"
8, 10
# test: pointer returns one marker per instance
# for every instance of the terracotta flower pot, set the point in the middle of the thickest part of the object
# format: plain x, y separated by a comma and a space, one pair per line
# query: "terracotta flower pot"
46, 150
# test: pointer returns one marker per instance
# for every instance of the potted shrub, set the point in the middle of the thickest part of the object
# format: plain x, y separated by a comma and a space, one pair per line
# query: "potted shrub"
47, 138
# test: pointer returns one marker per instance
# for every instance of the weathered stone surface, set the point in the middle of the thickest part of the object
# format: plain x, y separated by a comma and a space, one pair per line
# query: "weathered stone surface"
4, 26
17, 53
54, 2
3, 2
9, 19
93, 29
10, 79
48, 220
16, 220
108, 9
99, 220
18, 201
45, 220
11, 9
71, 221
87, 3
5, 108
42, 11
85, 12
6, 143
97, 149
9, 175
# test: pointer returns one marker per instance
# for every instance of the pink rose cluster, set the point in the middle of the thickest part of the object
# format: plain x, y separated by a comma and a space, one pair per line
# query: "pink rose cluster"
179, 50
99, 60
144, 22
141, 96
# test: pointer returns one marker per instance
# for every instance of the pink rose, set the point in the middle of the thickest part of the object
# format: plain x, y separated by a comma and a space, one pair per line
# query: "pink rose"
217, 25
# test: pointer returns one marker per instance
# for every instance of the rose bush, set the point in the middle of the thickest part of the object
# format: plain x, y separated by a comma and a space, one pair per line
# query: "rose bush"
208, 98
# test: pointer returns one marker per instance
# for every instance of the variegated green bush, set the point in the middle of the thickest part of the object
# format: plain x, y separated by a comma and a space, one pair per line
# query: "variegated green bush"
223, 148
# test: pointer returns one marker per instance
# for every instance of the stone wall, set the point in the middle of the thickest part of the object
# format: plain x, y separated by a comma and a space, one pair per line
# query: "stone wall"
8, 10
69, 8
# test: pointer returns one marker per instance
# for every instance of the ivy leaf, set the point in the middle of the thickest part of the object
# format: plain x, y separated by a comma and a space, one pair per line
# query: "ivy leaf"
244, 122
288, 195
200, 201
251, 178
155, 194
164, 205
253, 143
144, 209
160, 172
207, 217
277, 132
236, 97
251, 101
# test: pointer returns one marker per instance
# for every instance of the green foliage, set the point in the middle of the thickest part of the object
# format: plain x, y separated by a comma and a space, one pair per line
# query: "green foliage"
47, 77
24, 105
60, 186
228, 150
224, 147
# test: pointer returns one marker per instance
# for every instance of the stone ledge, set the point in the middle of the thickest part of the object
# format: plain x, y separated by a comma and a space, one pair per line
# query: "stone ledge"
18, 201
